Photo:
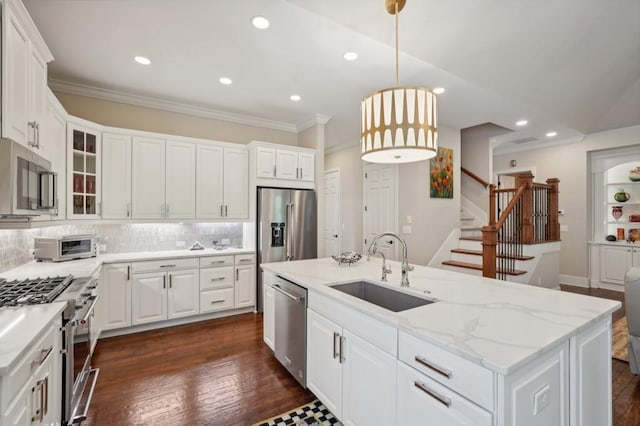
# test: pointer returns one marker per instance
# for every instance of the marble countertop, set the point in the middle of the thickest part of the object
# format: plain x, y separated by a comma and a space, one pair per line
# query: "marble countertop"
623, 243
497, 324
19, 329
87, 267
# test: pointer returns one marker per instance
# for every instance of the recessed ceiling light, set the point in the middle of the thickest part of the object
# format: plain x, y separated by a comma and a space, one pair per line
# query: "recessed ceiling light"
142, 60
350, 56
522, 123
552, 134
438, 90
295, 98
260, 22
225, 80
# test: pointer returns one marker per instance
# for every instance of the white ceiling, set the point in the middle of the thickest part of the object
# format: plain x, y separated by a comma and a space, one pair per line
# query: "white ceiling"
567, 65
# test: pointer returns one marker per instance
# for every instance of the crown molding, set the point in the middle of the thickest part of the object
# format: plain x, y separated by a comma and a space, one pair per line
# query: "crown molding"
339, 147
165, 105
511, 149
317, 119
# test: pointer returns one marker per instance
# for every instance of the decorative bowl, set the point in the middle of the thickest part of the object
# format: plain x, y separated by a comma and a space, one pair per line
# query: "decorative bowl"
634, 175
347, 258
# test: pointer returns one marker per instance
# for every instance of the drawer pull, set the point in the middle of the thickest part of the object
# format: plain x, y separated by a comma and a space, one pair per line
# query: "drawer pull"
167, 266
440, 398
246, 260
44, 354
440, 370
213, 302
218, 279
217, 262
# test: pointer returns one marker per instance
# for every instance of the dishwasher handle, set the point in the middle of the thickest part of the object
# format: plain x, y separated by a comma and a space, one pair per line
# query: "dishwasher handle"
286, 293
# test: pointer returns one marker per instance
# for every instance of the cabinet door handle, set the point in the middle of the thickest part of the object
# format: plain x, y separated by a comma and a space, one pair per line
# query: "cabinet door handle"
168, 266
216, 262
45, 397
221, 210
164, 281
440, 398
128, 209
213, 302
246, 260
32, 142
430, 365
170, 281
128, 272
44, 354
37, 134
217, 279
336, 354
274, 170
342, 357
226, 210
237, 274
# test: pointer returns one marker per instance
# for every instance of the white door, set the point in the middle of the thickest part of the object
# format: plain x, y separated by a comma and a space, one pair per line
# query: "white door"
265, 162
148, 298
307, 165
332, 213
380, 206
245, 287
115, 296
147, 178
368, 383
15, 82
209, 182
116, 184
286, 164
614, 263
324, 370
236, 183
180, 180
184, 294
38, 87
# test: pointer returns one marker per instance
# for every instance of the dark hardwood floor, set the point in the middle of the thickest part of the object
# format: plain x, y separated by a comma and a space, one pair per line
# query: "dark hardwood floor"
220, 372
216, 372
626, 386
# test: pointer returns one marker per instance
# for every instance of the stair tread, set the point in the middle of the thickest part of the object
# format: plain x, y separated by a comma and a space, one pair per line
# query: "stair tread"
479, 253
479, 267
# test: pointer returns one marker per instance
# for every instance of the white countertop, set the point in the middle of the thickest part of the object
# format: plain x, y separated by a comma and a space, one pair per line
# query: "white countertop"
500, 325
622, 243
87, 267
19, 329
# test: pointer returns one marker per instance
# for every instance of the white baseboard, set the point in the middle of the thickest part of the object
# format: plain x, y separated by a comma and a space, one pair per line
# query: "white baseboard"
573, 280
609, 286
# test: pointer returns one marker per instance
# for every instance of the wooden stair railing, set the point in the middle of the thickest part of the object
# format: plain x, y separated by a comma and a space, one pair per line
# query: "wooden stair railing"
475, 177
530, 216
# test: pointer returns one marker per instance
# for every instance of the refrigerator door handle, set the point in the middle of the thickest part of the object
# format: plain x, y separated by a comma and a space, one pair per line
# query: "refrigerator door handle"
291, 238
287, 225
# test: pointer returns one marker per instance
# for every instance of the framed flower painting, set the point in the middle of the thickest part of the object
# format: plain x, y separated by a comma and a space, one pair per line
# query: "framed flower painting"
441, 174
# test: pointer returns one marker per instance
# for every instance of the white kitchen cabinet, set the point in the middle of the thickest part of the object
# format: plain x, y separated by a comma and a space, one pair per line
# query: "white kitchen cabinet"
244, 287
55, 149
285, 163
180, 180
114, 304
353, 378
615, 261
183, 295
268, 318
116, 184
24, 77
422, 400
222, 183
83, 172
147, 178
148, 298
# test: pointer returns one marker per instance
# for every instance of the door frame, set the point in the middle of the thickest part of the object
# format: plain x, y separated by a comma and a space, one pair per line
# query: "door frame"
396, 176
339, 202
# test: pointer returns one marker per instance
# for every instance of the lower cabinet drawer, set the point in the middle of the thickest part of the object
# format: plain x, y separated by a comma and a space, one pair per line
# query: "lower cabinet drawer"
423, 401
245, 259
463, 376
216, 300
212, 278
163, 265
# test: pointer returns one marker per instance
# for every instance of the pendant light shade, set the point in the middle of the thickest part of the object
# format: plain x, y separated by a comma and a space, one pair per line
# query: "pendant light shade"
399, 124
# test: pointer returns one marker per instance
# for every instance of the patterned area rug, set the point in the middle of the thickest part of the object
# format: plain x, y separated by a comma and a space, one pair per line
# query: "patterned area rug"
619, 340
311, 414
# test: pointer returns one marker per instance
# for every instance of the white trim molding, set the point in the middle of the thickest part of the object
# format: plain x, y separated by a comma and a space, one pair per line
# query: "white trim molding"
573, 280
317, 119
167, 105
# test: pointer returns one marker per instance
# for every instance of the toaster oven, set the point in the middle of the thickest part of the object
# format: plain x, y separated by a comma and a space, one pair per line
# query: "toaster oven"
59, 249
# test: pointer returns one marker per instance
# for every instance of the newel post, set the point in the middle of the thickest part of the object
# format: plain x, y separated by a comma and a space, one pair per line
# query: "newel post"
489, 243
526, 179
554, 223
492, 204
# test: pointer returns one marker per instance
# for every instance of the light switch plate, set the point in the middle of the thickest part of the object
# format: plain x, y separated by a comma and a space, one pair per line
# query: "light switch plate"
406, 229
564, 228
541, 399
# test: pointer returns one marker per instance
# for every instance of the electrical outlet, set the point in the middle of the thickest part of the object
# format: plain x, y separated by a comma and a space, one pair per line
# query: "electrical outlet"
180, 244
102, 248
561, 212
541, 399
225, 241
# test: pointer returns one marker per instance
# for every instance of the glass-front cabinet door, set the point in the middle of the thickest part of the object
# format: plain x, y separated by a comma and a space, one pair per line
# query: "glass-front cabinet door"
83, 160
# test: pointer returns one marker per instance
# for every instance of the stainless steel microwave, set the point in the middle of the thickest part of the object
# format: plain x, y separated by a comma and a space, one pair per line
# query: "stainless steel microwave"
59, 249
28, 187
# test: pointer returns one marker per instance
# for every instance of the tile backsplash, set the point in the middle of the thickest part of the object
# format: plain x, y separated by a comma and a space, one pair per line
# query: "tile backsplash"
16, 246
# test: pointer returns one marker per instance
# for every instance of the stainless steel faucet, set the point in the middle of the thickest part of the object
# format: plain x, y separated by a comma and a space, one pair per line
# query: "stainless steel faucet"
373, 249
385, 270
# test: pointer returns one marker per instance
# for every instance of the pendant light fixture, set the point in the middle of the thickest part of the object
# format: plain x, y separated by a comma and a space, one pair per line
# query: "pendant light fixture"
399, 124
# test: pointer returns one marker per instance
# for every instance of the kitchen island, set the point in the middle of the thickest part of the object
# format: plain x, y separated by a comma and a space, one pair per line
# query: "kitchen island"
486, 352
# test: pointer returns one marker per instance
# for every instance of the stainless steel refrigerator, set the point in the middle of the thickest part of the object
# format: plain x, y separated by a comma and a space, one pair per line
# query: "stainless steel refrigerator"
286, 227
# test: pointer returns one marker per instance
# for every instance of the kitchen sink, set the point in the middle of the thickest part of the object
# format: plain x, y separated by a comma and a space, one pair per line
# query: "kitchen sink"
384, 297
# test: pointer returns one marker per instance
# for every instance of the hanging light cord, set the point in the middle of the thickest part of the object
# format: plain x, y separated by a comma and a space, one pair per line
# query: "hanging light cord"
397, 68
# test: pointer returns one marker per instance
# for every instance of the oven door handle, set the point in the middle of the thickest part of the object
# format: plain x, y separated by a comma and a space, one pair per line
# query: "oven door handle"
94, 300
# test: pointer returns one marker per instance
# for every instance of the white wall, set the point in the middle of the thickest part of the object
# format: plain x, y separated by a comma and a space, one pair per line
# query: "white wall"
569, 163
432, 218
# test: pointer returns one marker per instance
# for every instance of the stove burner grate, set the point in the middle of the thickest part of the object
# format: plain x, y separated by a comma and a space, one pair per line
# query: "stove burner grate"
32, 292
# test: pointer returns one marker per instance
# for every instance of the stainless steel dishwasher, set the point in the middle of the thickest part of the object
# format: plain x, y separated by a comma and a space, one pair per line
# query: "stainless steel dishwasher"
291, 328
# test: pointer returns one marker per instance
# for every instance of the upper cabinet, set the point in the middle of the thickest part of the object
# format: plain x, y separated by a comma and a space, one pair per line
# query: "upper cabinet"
222, 182
295, 165
83, 172
116, 184
24, 77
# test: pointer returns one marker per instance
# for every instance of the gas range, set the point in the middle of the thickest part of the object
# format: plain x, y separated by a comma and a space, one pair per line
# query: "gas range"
32, 291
